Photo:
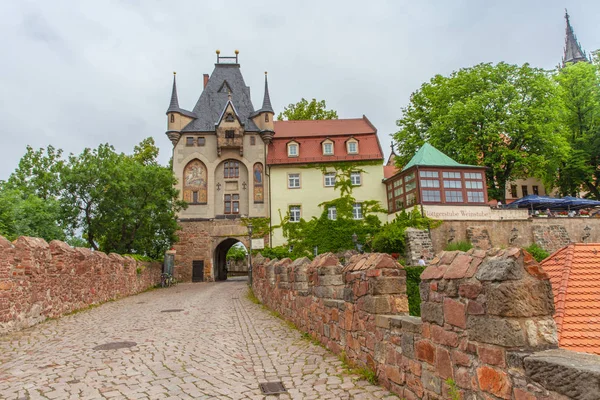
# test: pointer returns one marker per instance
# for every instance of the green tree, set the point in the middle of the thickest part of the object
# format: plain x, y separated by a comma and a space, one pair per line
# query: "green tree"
502, 116
237, 252
391, 239
303, 110
579, 91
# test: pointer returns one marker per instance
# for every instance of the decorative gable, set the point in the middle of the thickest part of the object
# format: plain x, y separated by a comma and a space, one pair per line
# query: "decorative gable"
230, 130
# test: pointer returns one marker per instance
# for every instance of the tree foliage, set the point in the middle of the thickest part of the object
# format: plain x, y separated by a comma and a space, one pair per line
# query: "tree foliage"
303, 110
579, 92
502, 116
237, 252
120, 203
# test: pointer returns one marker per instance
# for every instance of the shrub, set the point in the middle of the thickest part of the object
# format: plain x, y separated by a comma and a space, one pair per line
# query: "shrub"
462, 246
139, 257
413, 279
537, 252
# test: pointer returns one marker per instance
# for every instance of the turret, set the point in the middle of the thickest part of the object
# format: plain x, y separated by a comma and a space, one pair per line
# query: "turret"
177, 118
264, 117
573, 52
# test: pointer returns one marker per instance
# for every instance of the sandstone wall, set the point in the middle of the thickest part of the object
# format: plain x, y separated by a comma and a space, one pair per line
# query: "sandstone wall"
40, 280
520, 233
486, 323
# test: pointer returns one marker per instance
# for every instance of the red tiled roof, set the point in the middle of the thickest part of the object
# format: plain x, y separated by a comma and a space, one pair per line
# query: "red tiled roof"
310, 134
389, 170
575, 276
325, 127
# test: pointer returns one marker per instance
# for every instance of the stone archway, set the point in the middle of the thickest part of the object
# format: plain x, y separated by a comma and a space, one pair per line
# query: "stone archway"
220, 258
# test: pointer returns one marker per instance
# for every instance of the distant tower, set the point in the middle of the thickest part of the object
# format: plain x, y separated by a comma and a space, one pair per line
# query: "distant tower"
573, 52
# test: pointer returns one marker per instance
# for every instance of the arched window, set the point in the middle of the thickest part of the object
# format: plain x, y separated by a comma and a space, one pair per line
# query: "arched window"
172, 117
231, 169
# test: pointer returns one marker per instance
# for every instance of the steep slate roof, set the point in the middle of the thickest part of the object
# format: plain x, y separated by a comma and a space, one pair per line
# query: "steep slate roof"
266, 106
431, 157
211, 103
310, 134
174, 104
575, 277
573, 52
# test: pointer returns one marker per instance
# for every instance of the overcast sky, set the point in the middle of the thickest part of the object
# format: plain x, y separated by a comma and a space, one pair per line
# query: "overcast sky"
75, 74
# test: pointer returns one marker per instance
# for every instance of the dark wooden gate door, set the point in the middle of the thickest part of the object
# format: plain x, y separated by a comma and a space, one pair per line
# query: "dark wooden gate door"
198, 271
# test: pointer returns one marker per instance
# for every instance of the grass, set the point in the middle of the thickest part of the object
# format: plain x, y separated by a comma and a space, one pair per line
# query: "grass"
537, 252
365, 373
452, 389
252, 297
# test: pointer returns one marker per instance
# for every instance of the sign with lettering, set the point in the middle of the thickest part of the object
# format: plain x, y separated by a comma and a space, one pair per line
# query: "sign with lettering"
479, 213
258, 244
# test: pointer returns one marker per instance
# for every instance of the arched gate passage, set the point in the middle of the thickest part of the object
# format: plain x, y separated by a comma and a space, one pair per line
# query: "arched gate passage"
220, 258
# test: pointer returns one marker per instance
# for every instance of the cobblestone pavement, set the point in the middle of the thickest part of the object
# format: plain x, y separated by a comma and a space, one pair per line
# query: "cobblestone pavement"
219, 346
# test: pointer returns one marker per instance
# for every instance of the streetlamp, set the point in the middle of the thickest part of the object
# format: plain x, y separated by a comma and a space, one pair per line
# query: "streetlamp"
250, 254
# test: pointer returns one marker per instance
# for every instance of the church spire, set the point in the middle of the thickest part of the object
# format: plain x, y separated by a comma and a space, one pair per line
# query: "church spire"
174, 105
573, 52
266, 106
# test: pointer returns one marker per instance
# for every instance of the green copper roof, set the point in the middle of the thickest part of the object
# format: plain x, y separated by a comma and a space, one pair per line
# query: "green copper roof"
431, 157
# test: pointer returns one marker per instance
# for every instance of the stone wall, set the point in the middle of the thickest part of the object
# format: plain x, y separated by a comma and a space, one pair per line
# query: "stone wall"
40, 280
519, 233
486, 324
418, 243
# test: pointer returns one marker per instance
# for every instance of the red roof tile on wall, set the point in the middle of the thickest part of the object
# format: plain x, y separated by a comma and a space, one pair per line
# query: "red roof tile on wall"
310, 134
575, 276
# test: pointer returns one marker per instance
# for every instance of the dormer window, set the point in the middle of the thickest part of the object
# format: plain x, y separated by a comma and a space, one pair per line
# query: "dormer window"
292, 149
229, 134
352, 146
327, 148
229, 117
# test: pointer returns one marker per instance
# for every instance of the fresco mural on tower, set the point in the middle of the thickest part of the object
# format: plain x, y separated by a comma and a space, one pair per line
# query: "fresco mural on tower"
259, 196
195, 182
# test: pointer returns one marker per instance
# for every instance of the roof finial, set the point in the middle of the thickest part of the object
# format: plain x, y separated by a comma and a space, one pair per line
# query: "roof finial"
174, 104
229, 95
392, 146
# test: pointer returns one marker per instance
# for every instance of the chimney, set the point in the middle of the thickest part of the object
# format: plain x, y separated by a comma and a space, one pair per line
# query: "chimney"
205, 80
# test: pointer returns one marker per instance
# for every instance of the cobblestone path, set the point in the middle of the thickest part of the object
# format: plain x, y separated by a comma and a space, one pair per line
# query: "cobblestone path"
219, 346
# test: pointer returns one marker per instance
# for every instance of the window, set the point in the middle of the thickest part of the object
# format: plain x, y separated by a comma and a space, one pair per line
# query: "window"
454, 175
229, 134
410, 186
453, 196
172, 117
328, 149
293, 181
409, 177
294, 213
355, 178
292, 150
399, 204
267, 117
195, 196
410, 199
232, 204
474, 184
229, 117
431, 195
430, 183
357, 211
452, 184
428, 174
398, 191
472, 175
475, 197
352, 147
201, 141
330, 179
252, 140
332, 213
232, 169
524, 190
535, 190
513, 191
189, 141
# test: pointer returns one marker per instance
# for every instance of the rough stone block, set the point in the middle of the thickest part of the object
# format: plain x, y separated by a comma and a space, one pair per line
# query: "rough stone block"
459, 267
431, 382
491, 355
470, 290
433, 272
442, 336
498, 331
393, 285
383, 321
455, 313
424, 291
475, 308
494, 381
499, 269
407, 323
425, 351
408, 345
521, 299
377, 304
575, 375
331, 280
432, 312
443, 365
